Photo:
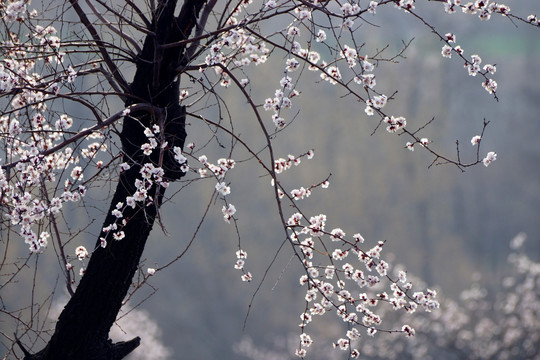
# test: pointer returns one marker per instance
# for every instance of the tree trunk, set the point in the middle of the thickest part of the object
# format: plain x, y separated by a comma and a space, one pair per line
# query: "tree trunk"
82, 329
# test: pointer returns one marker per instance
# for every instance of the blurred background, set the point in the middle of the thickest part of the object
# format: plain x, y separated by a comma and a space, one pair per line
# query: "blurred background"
448, 227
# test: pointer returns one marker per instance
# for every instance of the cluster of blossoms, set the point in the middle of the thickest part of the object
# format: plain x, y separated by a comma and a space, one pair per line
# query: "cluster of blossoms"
329, 72
478, 325
423, 142
406, 4
150, 134
218, 171
281, 165
282, 97
473, 66
30, 131
228, 212
16, 11
346, 279
241, 257
355, 292
533, 19
302, 192
236, 48
81, 253
490, 157
334, 283
394, 123
150, 175
482, 8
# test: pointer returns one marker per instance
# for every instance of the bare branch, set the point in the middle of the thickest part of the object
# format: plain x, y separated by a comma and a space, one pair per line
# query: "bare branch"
117, 75
114, 28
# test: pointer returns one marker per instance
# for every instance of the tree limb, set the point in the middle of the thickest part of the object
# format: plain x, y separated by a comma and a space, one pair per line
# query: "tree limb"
102, 49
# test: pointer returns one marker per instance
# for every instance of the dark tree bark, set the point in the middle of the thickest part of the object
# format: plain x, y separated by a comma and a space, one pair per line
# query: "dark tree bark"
82, 330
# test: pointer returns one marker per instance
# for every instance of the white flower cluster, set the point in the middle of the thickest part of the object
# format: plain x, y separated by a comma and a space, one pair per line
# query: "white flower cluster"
15, 10
228, 211
282, 97
406, 4
394, 123
236, 44
281, 164
28, 209
241, 257
473, 66
478, 324
482, 8
218, 171
150, 175
533, 19
356, 294
32, 131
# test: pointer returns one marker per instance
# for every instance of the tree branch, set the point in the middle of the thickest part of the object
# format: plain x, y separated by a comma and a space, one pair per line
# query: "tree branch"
114, 28
102, 49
